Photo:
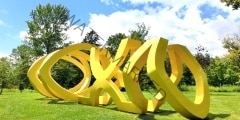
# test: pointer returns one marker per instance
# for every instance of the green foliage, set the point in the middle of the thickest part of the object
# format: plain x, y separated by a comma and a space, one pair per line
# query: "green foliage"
140, 33
187, 78
92, 37
45, 35
222, 72
203, 58
4, 70
215, 73
114, 41
45, 29
225, 88
183, 87
232, 44
22, 58
66, 74
235, 4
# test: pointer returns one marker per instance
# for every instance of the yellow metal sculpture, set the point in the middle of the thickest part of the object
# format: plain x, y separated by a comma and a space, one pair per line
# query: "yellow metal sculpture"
103, 91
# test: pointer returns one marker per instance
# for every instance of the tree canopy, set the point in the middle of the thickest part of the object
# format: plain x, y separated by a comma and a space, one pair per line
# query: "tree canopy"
235, 4
45, 29
232, 44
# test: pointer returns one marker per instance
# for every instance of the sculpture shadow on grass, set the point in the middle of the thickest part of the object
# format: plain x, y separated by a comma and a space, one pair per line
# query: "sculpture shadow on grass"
150, 116
46, 98
212, 116
61, 102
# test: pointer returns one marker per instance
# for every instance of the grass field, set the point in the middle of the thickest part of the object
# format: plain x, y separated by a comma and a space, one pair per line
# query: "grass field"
30, 105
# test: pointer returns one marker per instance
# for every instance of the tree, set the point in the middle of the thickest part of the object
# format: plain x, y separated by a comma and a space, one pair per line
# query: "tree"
114, 41
215, 73
221, 71
203, 58
234, 3
4, 70
22, 58
232, 59
232, 44
187, 78
45, 30
92, 37
46, 35
140, 33
225, 70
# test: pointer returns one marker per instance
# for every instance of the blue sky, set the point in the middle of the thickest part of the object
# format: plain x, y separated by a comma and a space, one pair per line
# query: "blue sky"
204, 22
15, 13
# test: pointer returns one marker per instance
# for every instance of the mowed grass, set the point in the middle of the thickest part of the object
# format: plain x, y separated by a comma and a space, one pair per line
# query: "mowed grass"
30, 105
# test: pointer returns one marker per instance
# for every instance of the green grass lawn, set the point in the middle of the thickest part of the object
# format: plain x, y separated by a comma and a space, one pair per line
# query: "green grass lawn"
30, 105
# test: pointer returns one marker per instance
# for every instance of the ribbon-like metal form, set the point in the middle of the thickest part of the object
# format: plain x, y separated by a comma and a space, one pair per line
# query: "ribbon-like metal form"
104, 68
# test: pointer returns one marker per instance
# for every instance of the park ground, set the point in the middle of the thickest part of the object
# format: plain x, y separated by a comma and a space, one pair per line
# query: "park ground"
30, 105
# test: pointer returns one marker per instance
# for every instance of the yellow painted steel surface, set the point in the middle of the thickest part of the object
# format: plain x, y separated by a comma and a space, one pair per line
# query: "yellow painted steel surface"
133, 56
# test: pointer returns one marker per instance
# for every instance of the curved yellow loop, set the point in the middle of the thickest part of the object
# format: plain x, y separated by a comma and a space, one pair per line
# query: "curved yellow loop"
155, 66
130, 74
35, 81
125, 46
80, 59
45, 71
104, 75
84, 83
132, 69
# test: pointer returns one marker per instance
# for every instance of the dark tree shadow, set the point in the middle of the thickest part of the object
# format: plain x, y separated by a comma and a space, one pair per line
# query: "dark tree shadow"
212, 116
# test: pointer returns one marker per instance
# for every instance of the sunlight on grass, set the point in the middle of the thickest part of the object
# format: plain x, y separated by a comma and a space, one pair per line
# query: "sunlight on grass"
31, 105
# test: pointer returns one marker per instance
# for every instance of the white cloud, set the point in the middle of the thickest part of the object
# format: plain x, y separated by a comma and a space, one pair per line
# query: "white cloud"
118, 22
76, 32
23, 35
184, 27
